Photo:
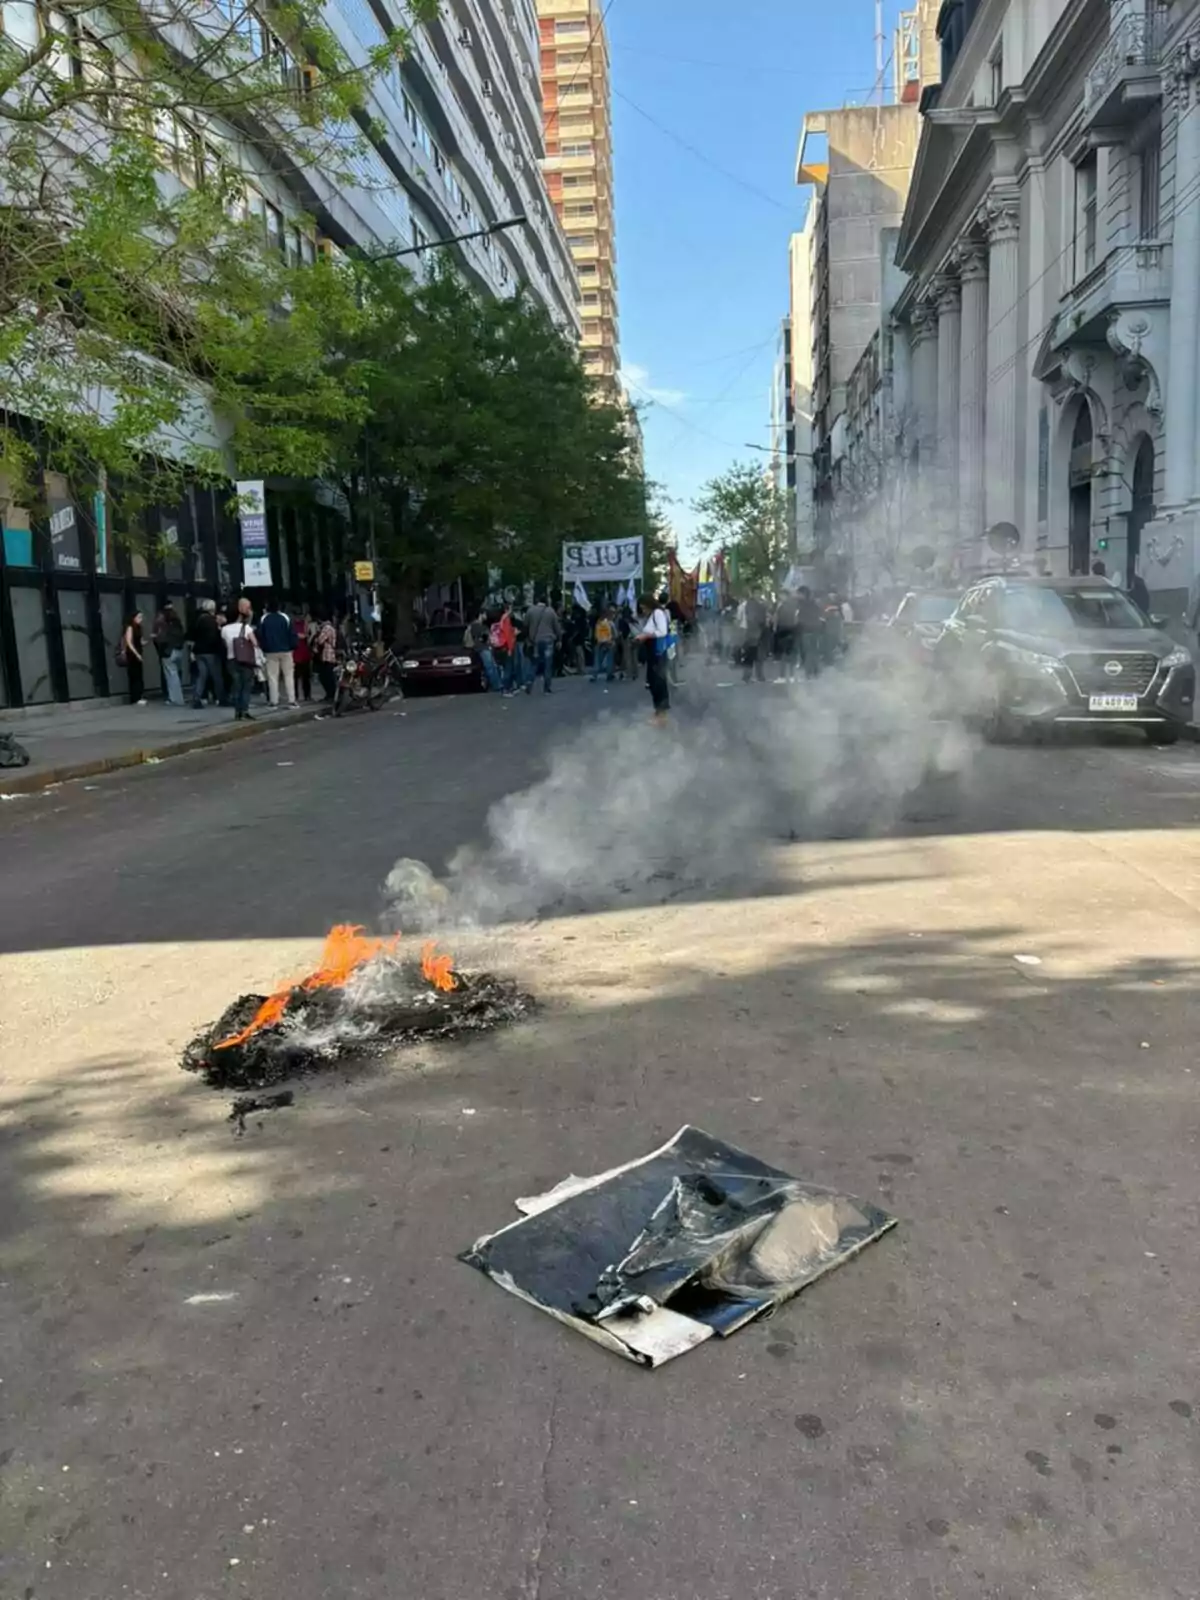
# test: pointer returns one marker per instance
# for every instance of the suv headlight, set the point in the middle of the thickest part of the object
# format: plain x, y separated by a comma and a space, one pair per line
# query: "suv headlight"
1179, 657
1035, 659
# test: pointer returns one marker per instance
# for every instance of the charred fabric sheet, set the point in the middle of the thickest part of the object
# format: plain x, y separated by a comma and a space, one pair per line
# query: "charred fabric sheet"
695, 1239
361, 998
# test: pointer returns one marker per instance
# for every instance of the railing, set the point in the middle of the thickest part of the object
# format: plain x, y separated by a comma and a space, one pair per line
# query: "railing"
1136, 40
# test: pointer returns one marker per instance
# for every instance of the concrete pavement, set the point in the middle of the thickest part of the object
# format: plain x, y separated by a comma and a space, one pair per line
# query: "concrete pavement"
254, 1368
67, 742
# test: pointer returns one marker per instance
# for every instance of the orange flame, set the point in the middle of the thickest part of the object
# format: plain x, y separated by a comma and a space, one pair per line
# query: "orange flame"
438, 970
346, 949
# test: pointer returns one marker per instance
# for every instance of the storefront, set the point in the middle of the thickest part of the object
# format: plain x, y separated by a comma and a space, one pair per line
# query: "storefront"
70, 575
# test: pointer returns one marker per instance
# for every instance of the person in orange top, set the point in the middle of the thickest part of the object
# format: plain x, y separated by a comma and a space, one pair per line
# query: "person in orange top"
503, 639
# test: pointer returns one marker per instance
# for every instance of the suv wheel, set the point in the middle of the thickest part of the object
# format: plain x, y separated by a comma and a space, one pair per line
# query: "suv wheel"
1163, 735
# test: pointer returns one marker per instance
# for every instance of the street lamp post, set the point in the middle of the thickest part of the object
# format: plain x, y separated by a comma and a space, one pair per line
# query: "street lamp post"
458, 238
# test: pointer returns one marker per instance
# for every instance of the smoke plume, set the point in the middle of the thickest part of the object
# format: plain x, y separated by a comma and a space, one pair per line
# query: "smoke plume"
633, 813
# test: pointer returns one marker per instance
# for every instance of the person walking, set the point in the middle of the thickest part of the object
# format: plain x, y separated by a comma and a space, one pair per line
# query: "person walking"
654, 637
808, 627
753, 621
603, 638
785, 637
302, 629
277, 641
129, 656
207, 651
241, 645
169, 641
628, 644
543, 630
325, 652
478, 636
502, 640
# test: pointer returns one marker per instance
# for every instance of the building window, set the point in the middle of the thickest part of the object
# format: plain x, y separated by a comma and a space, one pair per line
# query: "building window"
560, 28
275, 235
996, 68
19, 24
583, 148
1087, 220
1149, 187
419, 237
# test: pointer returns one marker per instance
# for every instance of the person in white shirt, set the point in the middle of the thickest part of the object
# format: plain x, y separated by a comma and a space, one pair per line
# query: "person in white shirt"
241, 646
654, 635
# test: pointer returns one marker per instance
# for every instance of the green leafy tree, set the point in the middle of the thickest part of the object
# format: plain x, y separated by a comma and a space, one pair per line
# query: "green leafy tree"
744, 512
483, 446
144, 290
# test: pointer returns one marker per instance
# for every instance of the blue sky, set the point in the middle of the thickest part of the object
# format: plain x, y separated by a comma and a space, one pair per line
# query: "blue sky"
702, 252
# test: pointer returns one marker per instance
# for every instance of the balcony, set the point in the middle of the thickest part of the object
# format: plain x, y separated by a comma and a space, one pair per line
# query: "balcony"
1127, 278
1124, 81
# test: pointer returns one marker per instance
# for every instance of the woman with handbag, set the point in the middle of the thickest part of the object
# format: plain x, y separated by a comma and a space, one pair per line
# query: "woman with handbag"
241, 645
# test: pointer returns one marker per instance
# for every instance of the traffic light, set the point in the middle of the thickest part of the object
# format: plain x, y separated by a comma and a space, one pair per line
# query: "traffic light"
1101, 544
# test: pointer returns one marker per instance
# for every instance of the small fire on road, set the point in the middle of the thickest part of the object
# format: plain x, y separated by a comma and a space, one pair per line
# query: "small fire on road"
361, 997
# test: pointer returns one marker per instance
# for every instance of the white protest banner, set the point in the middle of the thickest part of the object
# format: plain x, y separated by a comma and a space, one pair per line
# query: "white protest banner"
602, 561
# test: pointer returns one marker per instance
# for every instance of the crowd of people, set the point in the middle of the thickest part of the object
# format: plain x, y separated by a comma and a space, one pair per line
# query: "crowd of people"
226, 657
606, 642
801, 632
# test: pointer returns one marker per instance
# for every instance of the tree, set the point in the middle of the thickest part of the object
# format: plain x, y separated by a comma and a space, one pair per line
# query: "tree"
142, 283
483, 446
744, 512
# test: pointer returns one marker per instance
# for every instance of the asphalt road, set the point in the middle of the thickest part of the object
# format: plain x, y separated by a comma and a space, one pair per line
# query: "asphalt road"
253, 1367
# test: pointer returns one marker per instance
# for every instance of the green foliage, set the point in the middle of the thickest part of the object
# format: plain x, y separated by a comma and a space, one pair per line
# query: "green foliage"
484, 444
744, 512
137, 292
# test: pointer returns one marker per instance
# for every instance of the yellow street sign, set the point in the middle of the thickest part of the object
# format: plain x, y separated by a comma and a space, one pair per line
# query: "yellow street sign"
364, 571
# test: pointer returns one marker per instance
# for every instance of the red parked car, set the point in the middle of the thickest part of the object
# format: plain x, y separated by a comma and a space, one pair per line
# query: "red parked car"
440, 659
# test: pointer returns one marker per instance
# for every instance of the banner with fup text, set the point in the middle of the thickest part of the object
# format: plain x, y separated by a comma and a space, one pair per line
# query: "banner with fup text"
602, 561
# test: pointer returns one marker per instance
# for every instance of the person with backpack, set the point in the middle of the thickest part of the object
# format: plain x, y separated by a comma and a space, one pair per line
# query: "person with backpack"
604, 638
654, 638
478, 637
129, 656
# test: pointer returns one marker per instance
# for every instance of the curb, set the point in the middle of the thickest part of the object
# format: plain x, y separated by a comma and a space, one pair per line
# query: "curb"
27, 782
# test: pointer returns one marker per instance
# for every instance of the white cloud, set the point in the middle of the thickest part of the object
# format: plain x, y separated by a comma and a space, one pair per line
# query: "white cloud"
637, 380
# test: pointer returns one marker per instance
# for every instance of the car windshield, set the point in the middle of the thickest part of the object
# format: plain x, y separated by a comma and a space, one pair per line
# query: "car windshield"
926, 607
441, 638
1060, 612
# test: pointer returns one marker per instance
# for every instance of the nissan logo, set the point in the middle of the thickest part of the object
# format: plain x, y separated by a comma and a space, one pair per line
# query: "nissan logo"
1112, 669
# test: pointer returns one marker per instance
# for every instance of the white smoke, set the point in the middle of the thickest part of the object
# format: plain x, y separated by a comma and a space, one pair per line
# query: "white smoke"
632, 812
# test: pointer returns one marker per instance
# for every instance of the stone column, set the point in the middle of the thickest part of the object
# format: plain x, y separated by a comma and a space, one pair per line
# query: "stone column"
972, 386
1001, 219
949, 356
924, 381
1183, 368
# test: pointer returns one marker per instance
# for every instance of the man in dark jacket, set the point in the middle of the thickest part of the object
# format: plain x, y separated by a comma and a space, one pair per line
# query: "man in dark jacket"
207, 655
808, 626
277, 641
169, 640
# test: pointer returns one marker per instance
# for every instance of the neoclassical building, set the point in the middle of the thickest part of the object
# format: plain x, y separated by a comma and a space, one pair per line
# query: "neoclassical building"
1047, 340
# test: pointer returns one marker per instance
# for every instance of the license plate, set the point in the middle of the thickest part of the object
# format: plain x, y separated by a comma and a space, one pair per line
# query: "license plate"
1113, 702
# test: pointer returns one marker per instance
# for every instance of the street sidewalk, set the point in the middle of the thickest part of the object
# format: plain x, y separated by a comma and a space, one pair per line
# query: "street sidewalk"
81, 741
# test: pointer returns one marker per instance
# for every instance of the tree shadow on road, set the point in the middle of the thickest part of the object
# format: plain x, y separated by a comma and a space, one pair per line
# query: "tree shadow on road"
209, 1331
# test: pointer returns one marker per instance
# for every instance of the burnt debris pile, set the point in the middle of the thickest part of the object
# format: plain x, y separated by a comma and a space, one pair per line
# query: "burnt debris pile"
361, 999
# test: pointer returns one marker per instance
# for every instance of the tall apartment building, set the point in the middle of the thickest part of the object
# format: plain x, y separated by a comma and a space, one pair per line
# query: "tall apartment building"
454, 146
859, 162
576, 109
